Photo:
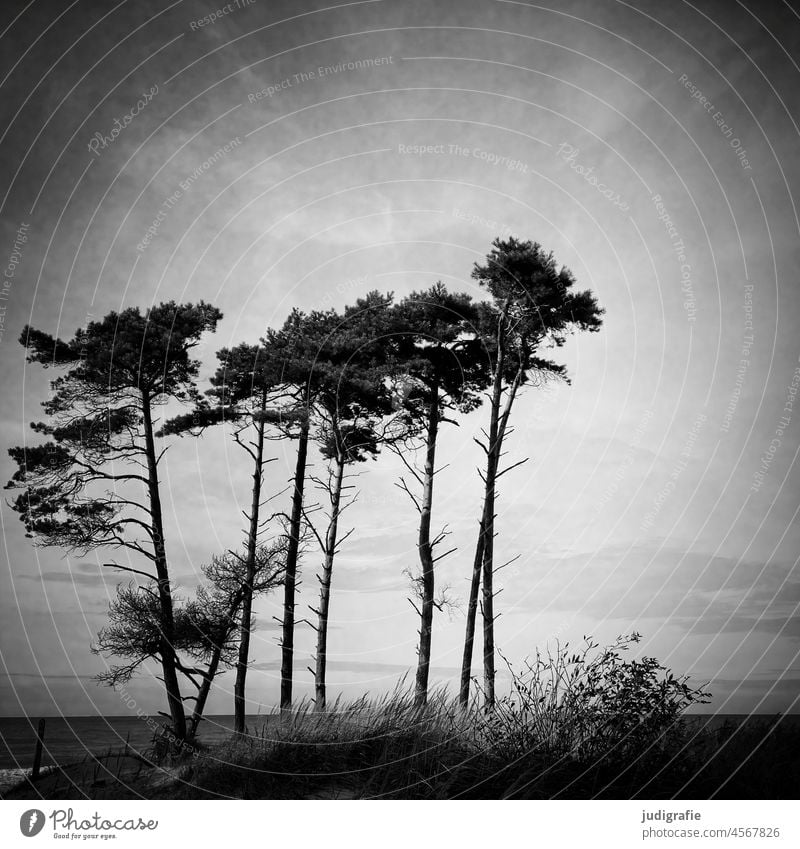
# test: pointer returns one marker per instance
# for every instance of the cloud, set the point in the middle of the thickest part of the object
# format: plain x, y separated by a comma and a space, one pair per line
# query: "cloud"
697, 591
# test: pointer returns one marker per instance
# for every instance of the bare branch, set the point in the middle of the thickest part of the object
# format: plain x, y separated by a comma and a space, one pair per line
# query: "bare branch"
507, 563
404, 486
130, 569
510, 468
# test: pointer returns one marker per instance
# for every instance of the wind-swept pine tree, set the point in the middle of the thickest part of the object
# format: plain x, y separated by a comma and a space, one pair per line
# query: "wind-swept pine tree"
243, 394
215, 613
78, 488
353, 397
532, 306
297, 351
442, 370
205, 627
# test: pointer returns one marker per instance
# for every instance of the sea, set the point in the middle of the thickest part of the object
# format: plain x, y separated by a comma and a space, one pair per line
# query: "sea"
70, 739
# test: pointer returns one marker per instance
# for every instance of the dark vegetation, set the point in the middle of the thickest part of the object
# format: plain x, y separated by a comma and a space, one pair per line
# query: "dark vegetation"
591, 724
342, 387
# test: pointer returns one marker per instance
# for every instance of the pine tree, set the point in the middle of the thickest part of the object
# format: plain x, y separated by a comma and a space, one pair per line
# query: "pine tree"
245, 391
100, 436
352, 400
205, 627
532, 306
441, 371
296, 349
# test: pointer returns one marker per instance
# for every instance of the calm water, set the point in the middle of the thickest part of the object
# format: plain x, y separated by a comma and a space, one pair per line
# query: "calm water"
69, 739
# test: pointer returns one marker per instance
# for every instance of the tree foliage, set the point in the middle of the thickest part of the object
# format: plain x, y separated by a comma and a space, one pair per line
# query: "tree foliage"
82, 488
114, 371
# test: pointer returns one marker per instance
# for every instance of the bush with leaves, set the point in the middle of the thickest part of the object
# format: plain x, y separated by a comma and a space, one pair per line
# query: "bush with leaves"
590, 704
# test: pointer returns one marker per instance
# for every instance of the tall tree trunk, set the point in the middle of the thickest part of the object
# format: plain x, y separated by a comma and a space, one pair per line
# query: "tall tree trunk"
484, 543
488, 586
211, 671
247, 588
472, 612
325, 585
203, 692
167, 649
290, 581
497, 432
426, 554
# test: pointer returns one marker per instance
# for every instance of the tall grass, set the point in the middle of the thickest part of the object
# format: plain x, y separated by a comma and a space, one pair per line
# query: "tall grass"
585, 724
574, 724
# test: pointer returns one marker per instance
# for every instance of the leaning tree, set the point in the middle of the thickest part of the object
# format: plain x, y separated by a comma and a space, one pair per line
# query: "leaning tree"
244, 394
79, 487
215, 618
441, 370
205, 626
297, 352
532, 306
352, 400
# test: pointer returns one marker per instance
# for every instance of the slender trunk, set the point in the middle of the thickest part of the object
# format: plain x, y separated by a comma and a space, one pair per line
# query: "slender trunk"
325, 585
483, 546
167, 649
426, 554
211, 671
247, 587
472, 612
295, 526
497, 431
488, 588
203, 692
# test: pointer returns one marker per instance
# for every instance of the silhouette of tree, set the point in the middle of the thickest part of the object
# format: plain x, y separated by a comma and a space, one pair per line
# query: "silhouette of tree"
79, 486
352, 399
532, 305
297, 352
441, 370
204, 627
245, 393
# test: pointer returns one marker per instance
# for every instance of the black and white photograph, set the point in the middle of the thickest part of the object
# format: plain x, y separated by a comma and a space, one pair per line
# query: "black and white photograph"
400, 402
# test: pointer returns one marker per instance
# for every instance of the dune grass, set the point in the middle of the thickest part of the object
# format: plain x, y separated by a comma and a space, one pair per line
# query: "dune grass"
586, 724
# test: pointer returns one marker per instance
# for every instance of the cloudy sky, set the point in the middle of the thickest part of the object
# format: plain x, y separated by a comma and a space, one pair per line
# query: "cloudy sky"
300, 154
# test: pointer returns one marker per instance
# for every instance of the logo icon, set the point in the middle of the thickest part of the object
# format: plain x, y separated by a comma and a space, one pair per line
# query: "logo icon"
31, 822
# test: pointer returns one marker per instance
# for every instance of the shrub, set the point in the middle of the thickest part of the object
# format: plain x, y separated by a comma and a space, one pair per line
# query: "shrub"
574, 724
589, 704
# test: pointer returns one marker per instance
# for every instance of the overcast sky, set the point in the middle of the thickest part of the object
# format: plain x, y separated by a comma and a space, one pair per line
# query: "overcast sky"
298, 154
